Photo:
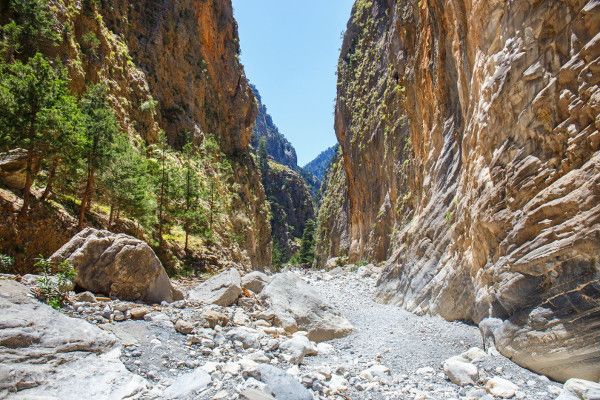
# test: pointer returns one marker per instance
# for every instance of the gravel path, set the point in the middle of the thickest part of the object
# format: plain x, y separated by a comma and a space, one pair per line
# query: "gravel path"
412, 347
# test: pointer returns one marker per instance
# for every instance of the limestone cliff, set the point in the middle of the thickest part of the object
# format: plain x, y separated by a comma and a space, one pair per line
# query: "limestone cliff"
278, 147
173, 65
471, 154
291, 207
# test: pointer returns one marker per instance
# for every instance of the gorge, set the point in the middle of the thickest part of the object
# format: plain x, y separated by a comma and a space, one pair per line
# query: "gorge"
460, 208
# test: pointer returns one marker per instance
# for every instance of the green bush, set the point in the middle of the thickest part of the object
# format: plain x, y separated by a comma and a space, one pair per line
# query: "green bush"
53, 289
90, 43
6, 263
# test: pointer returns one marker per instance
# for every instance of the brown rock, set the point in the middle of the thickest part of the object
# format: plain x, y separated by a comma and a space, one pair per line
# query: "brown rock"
184, 327
215, 318
471, 165
138, 312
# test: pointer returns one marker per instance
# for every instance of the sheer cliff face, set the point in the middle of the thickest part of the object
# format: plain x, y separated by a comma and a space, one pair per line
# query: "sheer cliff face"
471, 150
173, 65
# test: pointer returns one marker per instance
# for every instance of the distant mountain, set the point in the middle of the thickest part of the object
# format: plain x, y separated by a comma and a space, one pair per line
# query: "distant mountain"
314, 172
278, 147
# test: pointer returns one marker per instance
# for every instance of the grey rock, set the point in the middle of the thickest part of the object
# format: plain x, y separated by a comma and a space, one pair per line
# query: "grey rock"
79, 359
282, 385
186, 386
117, 265
223, 289
579, 389
87, 297
298, 307
255, 394
255, 281
460, 371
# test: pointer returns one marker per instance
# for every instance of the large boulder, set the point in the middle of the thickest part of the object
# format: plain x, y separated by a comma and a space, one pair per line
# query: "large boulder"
579, 389
255, 281
223, 289
46, 354
117, 265
282, 385
298, 307
13, 168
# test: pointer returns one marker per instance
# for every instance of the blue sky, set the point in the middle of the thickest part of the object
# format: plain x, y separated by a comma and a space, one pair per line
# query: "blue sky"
290, 50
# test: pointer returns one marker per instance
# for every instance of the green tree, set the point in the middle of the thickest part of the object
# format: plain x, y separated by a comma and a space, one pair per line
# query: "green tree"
192, 215
38, 114
100, 129
32, 26
126, 184
263, 159
306, 254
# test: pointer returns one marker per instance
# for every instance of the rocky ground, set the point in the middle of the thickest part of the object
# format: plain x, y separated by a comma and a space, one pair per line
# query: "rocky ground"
190, 350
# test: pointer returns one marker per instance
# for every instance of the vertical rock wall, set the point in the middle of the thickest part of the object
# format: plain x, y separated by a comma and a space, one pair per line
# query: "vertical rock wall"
471, 150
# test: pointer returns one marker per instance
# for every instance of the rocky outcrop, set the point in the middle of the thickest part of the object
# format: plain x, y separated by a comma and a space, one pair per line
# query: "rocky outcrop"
46, 354
278, 147
13, 168
471, 152
291, 206
298, 307
315, 171
118, 266
332, 235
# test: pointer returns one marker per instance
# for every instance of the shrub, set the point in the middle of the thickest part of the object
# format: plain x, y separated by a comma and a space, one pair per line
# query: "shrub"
90, 42
6, 263
53, 289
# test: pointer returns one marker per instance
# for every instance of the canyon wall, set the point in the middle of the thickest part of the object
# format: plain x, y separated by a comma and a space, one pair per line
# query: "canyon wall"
173, 66
471, 157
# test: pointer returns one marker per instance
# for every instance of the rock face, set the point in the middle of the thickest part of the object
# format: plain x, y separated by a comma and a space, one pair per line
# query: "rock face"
46, 354
317, 169
13, 166
223, 289
200, 87
255, 281
118, 266
298, 307
471, 162
278, 147
291, 206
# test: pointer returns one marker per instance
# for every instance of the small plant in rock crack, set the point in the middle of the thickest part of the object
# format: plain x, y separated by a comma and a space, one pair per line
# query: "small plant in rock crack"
53, 289
6, 263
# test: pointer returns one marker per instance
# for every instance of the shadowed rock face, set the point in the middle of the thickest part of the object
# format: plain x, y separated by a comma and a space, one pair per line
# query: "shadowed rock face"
471, 152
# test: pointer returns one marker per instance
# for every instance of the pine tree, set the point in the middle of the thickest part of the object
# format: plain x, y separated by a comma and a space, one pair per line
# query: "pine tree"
126, 184
100, 129
37, 113
192, 215
263, 160
306, 254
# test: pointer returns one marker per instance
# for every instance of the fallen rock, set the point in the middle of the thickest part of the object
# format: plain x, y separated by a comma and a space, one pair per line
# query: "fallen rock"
188, 385
223, 289
79, 359
184, 327
87, 297
255, 394
460, 371
282, 385
247, 336
138, 312
501, 387
298, 307
214, 318
255, 281
296, 348
579, 389
117, 265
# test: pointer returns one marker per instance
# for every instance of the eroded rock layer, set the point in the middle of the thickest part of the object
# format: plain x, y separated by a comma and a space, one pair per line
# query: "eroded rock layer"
471, 150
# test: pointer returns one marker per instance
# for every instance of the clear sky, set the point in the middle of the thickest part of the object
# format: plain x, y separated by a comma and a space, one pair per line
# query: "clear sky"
290, 50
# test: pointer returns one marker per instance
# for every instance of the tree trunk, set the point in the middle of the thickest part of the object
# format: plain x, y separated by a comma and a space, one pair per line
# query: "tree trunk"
51, 176
86, 198
187, 235
28, 184
110, 215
